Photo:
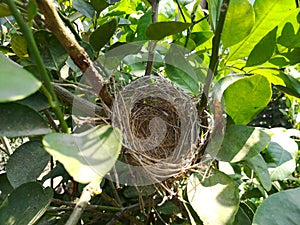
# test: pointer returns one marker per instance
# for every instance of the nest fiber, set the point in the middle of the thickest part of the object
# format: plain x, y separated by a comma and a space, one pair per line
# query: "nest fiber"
159, 124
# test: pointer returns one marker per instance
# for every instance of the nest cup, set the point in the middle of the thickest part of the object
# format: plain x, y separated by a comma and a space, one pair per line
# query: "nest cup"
159, 124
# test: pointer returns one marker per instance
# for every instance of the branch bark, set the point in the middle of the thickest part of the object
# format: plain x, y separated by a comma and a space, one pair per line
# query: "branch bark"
76, 52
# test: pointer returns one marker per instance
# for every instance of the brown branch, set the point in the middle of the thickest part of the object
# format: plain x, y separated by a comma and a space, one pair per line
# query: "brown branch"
76, 52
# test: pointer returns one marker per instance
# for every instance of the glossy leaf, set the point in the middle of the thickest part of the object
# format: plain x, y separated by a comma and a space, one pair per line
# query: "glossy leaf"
4, 10
15, 82
87, 156
281, 157
102, 35
159, 30
216, 199
19, 120
35, 200
53, 53
84, 7
180, 71
246, 97
279, 208
268, 14
241, 143
259, 166
27, 163
238, 22
99, 5
263, 50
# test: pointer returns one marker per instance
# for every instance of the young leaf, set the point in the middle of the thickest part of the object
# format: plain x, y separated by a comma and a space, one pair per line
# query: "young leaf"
27, 163
216, 199
87, 156
238, 22
159, 30
180, 71
19, 120
287, 201
259, 166
263, 50
35, 200
268, 14
103, 33
15, 82
241, 143
246, 97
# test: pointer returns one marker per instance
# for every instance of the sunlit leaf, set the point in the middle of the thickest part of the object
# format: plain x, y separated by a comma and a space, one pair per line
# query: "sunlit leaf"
246, 97
238, 22
287, 201
215, 199
35, 200
241, 143
102, 35
263, 50
19, 120
159, 30
87, 156
268, 14
15, 82
27, 163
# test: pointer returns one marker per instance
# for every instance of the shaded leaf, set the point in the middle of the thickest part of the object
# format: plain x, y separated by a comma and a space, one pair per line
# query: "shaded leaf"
292, 85
19, 120
216, 199
288, 37
241, 143
214, 11
5, 187
27, 163
32, 10
15, 82
259, 166
35, 200
99, 5
241, 218
87, 156
53, 53
287, 201
159, 30
268, 14
37, 101
143, 23
103, 34
84, 7
19, 45
4, 10
238, 22
263, 50
180, 71
246, 97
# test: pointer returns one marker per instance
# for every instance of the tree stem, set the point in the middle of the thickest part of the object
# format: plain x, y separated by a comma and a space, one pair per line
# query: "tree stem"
53, 101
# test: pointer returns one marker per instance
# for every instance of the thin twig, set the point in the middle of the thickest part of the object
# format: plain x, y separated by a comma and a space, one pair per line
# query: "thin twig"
6, 145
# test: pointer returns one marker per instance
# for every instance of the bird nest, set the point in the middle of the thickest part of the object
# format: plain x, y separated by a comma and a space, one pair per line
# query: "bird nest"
159, 124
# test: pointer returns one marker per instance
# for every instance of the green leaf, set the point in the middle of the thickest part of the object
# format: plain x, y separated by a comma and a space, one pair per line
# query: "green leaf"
263, 50
279, 208
288, 37
4, 10
53, 53
103, 34
180, 71
32, 10
292, 85
37, 102
19, 45
246, 97
259, 166
84, 7
214, 12
15, 82
19, 120
166, 10
159, 30
26, 204
87, 156
238, 22
5, 187
241, 218
143, 23
216, 199
99, 5
27, 163
268, 14
241, 143
281, 157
